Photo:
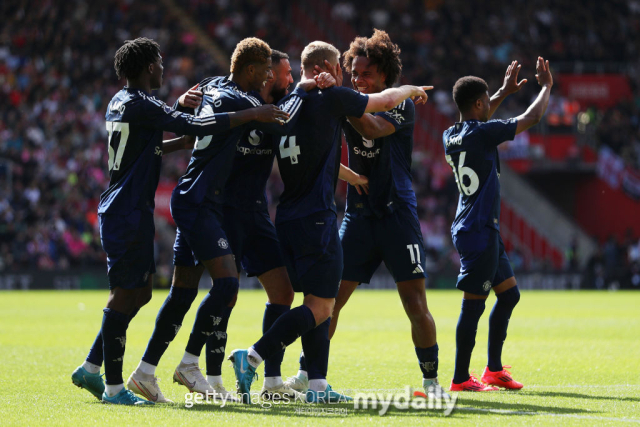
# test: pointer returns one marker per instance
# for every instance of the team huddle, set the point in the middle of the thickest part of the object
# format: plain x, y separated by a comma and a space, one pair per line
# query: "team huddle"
235, 126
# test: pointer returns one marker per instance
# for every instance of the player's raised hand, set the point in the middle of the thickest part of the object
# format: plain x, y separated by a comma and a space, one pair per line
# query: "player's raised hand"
336, 72
543, 72
270, 114
191, 98
325, 80
419, 94
511, 84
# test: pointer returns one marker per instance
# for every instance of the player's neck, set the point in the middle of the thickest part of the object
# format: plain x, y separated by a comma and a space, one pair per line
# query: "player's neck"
139, 84
265, 93
241, 81
468, 116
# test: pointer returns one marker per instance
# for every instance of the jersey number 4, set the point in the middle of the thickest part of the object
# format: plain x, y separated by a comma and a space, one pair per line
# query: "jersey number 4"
292, 151
460, 172
118, 136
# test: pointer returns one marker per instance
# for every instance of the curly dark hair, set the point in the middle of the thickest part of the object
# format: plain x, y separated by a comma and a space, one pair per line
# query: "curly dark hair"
467, 91
249, 51
381, 51
134, 55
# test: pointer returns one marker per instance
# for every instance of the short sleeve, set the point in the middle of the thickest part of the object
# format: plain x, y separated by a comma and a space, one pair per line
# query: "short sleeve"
347, 102
401, 116
495, 132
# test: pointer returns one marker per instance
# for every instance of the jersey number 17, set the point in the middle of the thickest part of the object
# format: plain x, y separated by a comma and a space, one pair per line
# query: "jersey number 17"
118, 136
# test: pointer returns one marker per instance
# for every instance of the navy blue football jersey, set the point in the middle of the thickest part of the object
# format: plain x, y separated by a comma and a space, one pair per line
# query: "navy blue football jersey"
471, 151
212, 158
309, 156
386, 162
135, 121
252, 165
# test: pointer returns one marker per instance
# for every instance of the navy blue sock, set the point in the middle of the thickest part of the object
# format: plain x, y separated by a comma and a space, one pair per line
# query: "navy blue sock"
291, 325
466, 330
315, 345
114, 339
216, 345
498, 324
211, 312
168, 322
96, 352
271, 314
428, 359
303, 362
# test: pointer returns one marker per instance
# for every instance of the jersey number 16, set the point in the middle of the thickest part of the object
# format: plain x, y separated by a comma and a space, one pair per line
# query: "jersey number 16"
460, 172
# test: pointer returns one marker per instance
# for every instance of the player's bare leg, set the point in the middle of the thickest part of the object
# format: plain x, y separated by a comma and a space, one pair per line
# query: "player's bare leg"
347, 287
495, 374
423, 332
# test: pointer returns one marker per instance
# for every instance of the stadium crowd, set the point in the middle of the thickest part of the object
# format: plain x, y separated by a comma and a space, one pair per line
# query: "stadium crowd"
56, 77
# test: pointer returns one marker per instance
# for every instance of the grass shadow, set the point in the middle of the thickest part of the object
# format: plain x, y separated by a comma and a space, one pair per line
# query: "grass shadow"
578, 395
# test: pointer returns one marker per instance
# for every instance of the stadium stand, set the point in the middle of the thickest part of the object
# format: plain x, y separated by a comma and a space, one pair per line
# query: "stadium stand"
56, 75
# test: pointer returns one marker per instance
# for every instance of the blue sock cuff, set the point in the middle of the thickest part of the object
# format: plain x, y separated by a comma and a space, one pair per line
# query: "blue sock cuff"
225, 289
473, 304
510, 296
116, 316
277, 308
184, 296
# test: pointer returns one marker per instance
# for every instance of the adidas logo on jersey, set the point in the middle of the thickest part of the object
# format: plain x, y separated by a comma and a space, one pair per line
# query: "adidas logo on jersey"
418, 269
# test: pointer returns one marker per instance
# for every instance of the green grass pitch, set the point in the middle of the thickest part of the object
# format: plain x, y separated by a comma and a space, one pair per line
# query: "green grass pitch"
576, 352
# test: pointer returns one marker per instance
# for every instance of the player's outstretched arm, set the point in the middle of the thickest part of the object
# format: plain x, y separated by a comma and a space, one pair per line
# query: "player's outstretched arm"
371, 127
360, 182
509, 85
267, 113
389, 98
176, 144
536, 110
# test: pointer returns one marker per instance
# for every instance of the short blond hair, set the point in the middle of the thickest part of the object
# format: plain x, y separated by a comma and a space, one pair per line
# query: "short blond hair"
317, 52
248, 51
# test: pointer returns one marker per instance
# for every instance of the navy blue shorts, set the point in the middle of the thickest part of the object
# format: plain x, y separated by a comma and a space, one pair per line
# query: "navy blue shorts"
200, 236
312, 253
128, 242
483, 261
253, 240
395, 239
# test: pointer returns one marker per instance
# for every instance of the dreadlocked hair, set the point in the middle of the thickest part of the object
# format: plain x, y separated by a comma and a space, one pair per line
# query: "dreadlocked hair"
380, 51
134, 56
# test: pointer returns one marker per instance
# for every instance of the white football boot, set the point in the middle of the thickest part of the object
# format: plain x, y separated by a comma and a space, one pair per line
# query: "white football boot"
189, 375
146, 386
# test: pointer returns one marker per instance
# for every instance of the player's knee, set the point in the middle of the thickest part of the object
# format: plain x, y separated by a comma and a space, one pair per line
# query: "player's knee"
144, 297
511, 296
284, 295
233, 301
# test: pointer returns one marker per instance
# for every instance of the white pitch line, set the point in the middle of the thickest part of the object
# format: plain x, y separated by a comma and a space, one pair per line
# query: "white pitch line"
547, 414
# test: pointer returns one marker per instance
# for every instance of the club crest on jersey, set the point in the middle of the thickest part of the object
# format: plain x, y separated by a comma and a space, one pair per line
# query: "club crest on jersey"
367, 142
223, 243
486, 286
255, 137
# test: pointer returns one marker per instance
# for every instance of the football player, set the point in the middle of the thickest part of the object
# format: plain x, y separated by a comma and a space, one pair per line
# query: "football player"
471, 151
